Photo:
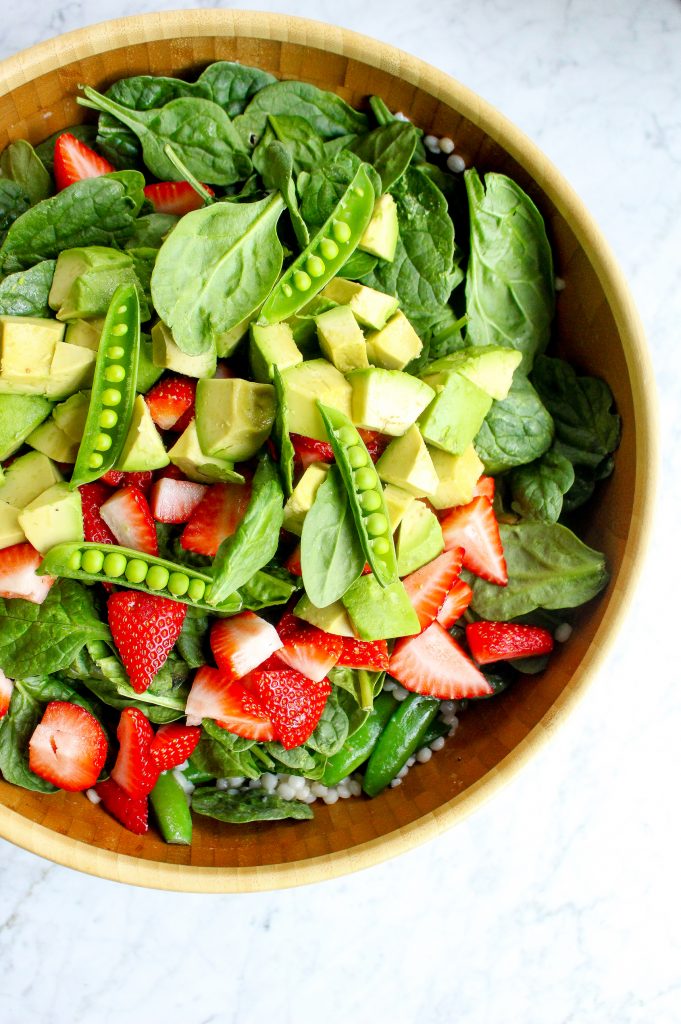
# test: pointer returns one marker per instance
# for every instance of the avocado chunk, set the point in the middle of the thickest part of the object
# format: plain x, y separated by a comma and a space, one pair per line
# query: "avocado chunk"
72, 263
90, 293
272, 345
168, 356
10, 530
234, 417
143, 448
54, 517
303, 326
387, 400
187, 455
303, 385
490, 367
27, 347
228, 341
27, 477
455, 415
19, 416
53, 442
70, 416
397, 502
380, 613
395, 345
372, 308
407, 464
72, 369
332, 619
419, 540
457, 476
303, 495
147, 370
85, 333
341, 339
380, 234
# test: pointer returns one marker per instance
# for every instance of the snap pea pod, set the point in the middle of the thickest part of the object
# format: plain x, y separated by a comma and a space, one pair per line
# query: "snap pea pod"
333, 244
401, 737
435, 730
195, 775
135, 570
358, 748
113, 388
172, 810
364, 492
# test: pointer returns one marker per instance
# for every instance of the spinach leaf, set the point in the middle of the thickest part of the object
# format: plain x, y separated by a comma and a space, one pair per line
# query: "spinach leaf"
223, 755
537, 489
516, 430
26, 292
150, 230
13, 202
332, 728
330, 550
305, 148
321, 191
362, 687
299, 760
548, 567
87, 133
509, 280
389, 148
585, 482
327, 114
193, 638
249, 805
20, 163
44, 689
358, 266
140, 92
215, 268
266, 588
277, 173
232, 85
16, 729
281, 433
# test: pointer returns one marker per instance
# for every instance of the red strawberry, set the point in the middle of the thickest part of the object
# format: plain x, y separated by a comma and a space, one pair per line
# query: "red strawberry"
371, 655
115, 477
173, 501
129, 518
501, 641
18, 577
223, 371
215, 517
176, 197
144, 629
374, 442
308, 450
433, 664
213, 695
474, 528
133, 814
293, 563
134, 770
307, 649
428, 587
172, 745
92, 497
73, 161
6, 687
171, 399
485, 487
455, 604
243, 642
68, 747
293, 703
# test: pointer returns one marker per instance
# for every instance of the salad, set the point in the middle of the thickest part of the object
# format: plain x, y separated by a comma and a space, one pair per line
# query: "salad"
288, 476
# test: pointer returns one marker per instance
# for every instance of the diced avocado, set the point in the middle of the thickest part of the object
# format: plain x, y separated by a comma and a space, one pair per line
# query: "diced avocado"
332, 619
85, 333
90, 293
167, 355
187, 455
27, 477
372, 308
72, 369
455, 415
457, 475
387, 400
70, 416
143, 448
10, 530
380, 613
303, 326
272, 345
54, 517
397, 502
19, 416
27, 344
71, 263
419, 539
490, 367
226, 343
234, 417
341, 339
407, 464
380, 234
304, 493
53, 442
395, 345
147, 370
303, 385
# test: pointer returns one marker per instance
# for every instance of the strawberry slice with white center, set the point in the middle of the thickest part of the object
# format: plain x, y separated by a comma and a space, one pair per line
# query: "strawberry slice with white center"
306, 648
428, 586
128, 516
74, 161
216, 517
455, 604
133, 814
170, 400
243, 642
173, 501
134, 770
176, 197
371, 655
68, 747
474, 528
485, 487
6, 687
292, 702
434, 665
503, 641
18, 576
172, 745
229, 703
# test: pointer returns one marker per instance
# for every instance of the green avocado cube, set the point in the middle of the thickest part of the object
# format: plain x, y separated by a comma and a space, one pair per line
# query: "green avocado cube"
143, 448
397, 502
455, 415
380, 613
72, 369
27, 477
187, 455
419, 540
372, 308
332, 619
147, 370
489, 367
54, 517
70, 416
19, 416
303, 385
227, 342
167, 355
234, 417
10, 530
53, 442
71, 263
90, 293
406, 463
27, 347
381, 233
387, 400
457, 476
303, 495
341, 339
395, 345
85, 333
272, 345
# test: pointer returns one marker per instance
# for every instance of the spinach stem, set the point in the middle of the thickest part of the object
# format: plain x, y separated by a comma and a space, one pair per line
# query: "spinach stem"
187, 175
366, 690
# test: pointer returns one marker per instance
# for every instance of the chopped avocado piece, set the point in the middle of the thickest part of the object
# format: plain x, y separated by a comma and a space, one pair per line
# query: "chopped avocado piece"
457, 475
455, 415
90, 293
147, 370
234, 417
143, 448
419, 540
187, 455
70, 415
387, 400
27, 477
304, 493
490, 367
380, 613
407, 464
10, 530
272, 345
85, 333
167, 355
303, 385
54, 517
332, 619
395, 345
341, 339
371, 308
27, 346
19, 416
226, 343
72, 369
71, 263
397, 502
53, 442
380, 234
302, 324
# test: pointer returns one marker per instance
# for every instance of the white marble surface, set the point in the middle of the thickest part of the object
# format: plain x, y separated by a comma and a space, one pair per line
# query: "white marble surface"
559, 900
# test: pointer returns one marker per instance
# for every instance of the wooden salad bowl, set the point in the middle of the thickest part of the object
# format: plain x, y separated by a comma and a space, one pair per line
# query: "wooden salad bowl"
597, 328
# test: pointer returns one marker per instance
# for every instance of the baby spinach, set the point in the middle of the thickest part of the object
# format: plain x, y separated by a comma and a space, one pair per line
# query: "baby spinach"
331, 554
25, 293
193, 638
223, 755
232, 85
277, 174
267, 587
249, 805
327, 114
332, 728
389, 148
16, 729
150, 230
537, 488
306, 148
282, 435
358, 266
298, 760
585, 482
322, 190
516, 430
20, 163
13, 202
362, 687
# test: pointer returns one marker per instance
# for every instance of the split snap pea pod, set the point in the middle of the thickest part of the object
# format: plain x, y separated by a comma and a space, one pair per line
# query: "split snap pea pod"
172, 810
113, 388
364, 492
359, 746
333, 244
402, 736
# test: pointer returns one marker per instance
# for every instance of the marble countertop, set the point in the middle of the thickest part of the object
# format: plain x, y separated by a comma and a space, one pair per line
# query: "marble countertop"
557, 901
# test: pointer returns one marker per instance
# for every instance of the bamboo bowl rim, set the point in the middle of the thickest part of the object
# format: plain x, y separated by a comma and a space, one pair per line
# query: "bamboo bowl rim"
153, 27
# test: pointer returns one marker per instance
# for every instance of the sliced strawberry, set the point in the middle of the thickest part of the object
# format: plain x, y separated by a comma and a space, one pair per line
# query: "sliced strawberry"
293, 703
306, 648
176, 197
374, 442
215, 517
73, 161
18, 577
173, 501
433, 664
232, 706
307, 450
293, 563
502, 641
485, 487
223, 371
68, 747
144, 629
371, 655
133, 814
243, 642
428, 587
170, 400
134, 770
455, 604
172, 745
116, 477
92, 497
6, 687
474, 528
128, 516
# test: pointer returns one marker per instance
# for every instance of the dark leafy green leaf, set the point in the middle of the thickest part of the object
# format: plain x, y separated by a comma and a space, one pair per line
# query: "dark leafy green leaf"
299, 760
232, 85
20, 163
282, 435
16, 729
327, 114
223, 755
249, 805
332, 729
268, 587
332, 556
537, 489
26, 292
150, 230
516, 430
358, 266
389, 149
277, 173
322, 190
13, 202
193, 639
304, 147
